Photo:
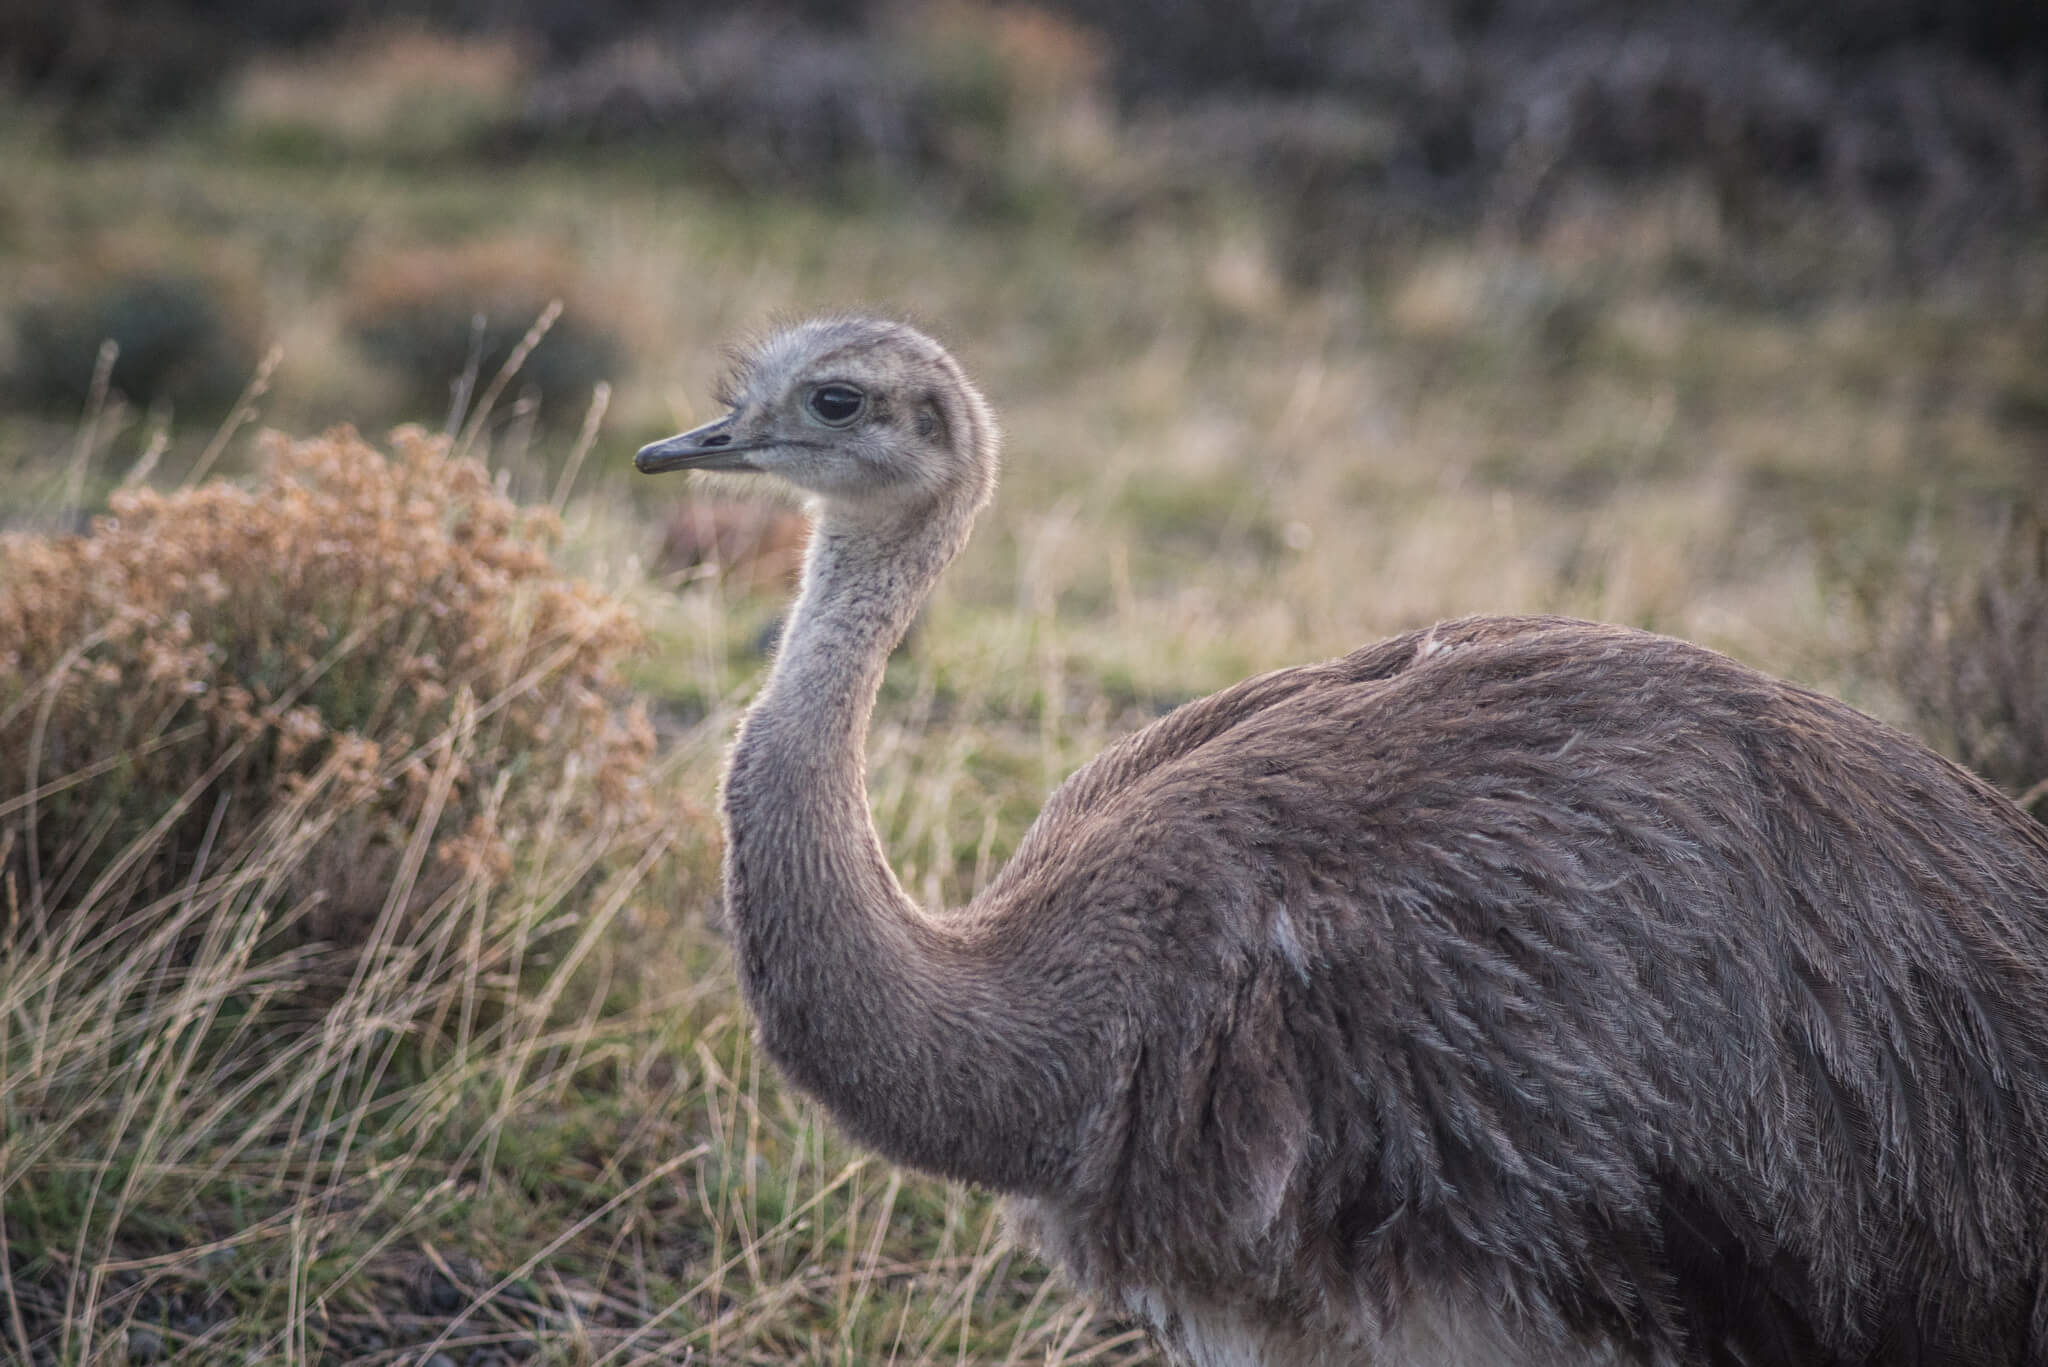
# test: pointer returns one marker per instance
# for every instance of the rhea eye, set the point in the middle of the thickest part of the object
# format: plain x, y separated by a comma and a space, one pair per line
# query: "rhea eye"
837, 404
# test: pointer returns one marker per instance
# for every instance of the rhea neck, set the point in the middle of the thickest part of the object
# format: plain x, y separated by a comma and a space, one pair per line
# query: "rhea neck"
885, 1014
843, 971
807, 881
866, 575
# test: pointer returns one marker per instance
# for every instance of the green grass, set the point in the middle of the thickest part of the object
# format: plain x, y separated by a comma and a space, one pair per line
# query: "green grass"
1211, 471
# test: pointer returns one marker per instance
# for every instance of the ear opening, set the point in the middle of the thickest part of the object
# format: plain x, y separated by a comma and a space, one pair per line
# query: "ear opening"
933, 424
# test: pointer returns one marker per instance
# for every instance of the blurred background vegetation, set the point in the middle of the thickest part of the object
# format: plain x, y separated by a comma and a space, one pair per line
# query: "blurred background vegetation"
362, 994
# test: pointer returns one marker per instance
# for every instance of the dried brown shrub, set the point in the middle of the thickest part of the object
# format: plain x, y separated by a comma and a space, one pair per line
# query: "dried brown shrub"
380, 645
1968, 651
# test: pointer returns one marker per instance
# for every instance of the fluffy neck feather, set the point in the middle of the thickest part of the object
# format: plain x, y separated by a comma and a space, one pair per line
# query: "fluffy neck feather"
910, 1030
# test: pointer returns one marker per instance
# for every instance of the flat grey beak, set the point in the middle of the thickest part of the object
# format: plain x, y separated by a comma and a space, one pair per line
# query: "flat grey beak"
709, 447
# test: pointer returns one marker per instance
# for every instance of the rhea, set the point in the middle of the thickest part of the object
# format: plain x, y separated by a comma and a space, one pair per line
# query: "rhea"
1518, 991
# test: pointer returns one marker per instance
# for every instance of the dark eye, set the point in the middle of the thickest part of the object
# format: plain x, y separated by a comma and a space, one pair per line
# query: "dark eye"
837, 404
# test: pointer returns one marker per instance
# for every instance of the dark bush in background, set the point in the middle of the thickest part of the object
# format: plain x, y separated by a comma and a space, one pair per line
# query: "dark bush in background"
184, 338
119, 64
1188, 47
1934, 116
755, 101
1928, 114
416, 315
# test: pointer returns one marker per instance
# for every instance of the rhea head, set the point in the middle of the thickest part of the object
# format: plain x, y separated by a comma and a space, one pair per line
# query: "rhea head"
865, 414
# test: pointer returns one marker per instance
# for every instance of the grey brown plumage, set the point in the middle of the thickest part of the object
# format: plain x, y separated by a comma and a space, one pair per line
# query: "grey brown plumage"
1517, 991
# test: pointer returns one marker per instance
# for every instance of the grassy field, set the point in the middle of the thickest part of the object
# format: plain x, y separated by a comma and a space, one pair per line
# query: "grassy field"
528, 1119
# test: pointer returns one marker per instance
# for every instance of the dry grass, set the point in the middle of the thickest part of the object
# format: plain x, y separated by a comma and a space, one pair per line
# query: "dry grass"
522, 1114
497, 1137
1964, 636
542, 1079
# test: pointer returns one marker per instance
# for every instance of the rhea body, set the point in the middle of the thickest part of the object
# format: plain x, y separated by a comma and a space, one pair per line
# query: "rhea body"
1521, 991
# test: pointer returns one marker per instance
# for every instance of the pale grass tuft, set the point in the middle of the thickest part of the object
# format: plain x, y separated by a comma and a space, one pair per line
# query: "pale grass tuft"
480, 1143
155, 1068
1964, 639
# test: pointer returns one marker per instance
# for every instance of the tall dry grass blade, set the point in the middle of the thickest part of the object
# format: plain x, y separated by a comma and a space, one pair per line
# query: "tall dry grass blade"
148, 1056
87, 437
490, 707
38, 909
709, 1285
980, 1269
853, 1300
1084, 1315
520, 1053
193, 882
224, 952
112, 875
153, 452
541, 1255
100, 766
271, 1227
1028, 1325
343, 1031
75, 855
1127, 1339
513, 362
16, 1325
53, 677
586, 437
295, 1294
397, 997
463, 387
242, 413
518, 437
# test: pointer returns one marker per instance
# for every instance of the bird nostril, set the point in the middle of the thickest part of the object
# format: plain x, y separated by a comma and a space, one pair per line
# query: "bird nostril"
721, 439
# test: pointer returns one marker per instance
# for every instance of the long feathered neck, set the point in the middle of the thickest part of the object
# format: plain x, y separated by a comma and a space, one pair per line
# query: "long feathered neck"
891, 1017
799, 768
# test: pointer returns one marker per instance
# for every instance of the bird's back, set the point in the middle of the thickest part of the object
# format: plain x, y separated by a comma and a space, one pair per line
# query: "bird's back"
1577, 974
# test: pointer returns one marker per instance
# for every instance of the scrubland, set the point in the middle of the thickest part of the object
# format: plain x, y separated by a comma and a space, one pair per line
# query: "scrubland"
363, 996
